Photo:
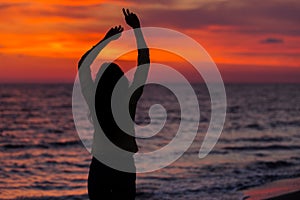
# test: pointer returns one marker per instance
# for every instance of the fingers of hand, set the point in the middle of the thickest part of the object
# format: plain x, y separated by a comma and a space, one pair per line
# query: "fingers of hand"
120, 28
124, 12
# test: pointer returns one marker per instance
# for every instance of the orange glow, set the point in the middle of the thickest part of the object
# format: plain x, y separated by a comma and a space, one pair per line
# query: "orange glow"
43, 40
157, 56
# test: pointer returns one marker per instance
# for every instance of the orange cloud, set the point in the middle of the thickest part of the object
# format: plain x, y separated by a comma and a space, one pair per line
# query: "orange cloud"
48, 33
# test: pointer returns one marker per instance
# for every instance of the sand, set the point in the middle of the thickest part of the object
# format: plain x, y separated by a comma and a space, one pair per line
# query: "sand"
278, 190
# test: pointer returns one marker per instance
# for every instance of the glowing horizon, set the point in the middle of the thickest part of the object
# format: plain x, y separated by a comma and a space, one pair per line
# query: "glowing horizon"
42, 41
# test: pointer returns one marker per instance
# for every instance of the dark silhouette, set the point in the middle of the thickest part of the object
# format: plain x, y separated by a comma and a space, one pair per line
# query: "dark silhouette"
105, 182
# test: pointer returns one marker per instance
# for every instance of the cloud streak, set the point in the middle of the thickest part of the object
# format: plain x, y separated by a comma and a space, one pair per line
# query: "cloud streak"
272, 41
253, 17
234, 32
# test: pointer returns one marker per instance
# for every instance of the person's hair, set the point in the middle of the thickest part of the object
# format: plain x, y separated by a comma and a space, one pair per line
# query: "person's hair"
107, 78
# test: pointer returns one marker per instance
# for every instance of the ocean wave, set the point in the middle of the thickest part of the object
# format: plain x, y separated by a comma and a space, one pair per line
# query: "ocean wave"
272, 165
262, 139
62, 197
258, 148
65, 143
42, 145
285, 123
255, 126
22, 146
233, 109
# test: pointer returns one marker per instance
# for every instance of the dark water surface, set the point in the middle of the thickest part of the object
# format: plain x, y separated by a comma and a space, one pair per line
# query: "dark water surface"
43, 158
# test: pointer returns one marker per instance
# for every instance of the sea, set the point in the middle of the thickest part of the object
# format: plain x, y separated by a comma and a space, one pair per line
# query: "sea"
43, 158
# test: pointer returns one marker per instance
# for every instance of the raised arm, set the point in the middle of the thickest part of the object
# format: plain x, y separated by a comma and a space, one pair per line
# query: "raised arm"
143, 60
85, 77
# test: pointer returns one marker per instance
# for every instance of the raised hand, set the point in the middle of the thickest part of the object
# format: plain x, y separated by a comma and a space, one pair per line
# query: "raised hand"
131, 19
113, 33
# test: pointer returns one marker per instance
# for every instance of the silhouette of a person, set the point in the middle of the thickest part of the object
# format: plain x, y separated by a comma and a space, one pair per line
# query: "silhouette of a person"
105, 182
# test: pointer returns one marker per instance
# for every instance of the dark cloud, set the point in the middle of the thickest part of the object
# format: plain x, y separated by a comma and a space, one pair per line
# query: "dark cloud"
65, 11
4, 6
55, 10
255, 16
272, 41
275, 17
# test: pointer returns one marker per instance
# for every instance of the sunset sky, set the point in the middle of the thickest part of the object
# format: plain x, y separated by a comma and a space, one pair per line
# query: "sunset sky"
250, 40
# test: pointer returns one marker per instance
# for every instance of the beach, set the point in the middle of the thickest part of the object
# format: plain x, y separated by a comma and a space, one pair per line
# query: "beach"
286, 189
